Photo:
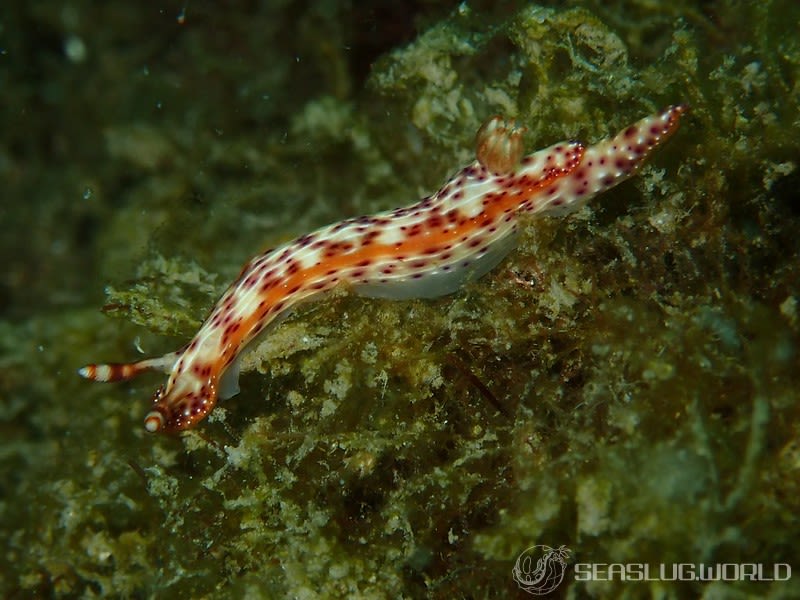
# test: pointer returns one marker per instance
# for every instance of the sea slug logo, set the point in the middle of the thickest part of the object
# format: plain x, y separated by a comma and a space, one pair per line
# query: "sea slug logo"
540, 569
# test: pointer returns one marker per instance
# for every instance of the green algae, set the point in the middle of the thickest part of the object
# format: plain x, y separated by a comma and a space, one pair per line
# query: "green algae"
624, 384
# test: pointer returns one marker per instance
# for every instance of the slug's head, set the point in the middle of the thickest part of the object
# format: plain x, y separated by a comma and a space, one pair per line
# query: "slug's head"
178, 409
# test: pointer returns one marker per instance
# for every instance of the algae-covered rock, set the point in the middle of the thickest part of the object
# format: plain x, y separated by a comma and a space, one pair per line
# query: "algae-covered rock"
624, 384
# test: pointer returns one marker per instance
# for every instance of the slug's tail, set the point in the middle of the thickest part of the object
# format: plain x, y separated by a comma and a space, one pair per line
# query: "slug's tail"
611, 161
122, 371
628, 150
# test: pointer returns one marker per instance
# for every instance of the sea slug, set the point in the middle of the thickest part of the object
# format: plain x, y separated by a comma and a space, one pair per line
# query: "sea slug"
424, 250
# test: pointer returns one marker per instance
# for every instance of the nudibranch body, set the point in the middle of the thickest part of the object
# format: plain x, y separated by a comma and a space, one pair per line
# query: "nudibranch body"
422, 251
